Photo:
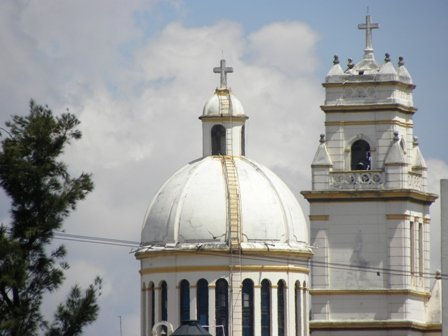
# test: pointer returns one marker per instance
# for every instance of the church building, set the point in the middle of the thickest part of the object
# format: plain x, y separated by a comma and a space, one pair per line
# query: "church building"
226, 243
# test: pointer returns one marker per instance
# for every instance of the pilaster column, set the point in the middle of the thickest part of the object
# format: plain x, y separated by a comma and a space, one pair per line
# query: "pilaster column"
257, 309
193, 301
291, 309
157, 305
274, 311
173, 304
306, 328
298, 310
212, 309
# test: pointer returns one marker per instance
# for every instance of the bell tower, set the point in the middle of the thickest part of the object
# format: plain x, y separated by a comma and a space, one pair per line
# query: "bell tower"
369, 205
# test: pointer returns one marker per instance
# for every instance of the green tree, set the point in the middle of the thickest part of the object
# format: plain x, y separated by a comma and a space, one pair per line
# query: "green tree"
42, 195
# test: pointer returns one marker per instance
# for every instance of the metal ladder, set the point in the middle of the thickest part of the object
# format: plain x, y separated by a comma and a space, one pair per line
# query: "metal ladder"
235, 237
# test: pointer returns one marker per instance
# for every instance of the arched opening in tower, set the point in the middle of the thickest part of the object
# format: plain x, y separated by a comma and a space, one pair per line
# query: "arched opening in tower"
218, 140
360, 155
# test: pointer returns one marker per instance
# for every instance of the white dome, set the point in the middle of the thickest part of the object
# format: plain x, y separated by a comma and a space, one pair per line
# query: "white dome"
223, 102
191, 207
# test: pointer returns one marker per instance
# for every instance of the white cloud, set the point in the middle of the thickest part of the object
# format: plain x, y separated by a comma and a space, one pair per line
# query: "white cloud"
138, 102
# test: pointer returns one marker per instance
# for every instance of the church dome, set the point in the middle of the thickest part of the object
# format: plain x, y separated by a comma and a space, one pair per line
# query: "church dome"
223, 103
194, 206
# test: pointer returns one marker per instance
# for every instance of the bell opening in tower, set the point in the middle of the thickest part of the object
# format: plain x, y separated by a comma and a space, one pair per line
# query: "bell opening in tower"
360, 155
218, 140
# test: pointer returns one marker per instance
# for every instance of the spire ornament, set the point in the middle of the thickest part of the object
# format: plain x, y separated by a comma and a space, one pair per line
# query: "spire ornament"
350, 64
223, 71
368, 27
335, 59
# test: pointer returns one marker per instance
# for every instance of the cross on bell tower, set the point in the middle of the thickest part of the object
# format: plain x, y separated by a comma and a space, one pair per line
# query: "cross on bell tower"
368, 27
223, 70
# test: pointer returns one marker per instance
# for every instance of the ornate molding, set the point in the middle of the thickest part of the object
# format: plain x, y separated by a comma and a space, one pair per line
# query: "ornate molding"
398, 217
364, 179
300, 254
368, 108
370, 122
225, 268
373, 324
319, 217
415, 196
373, 291
370, 84
224, 118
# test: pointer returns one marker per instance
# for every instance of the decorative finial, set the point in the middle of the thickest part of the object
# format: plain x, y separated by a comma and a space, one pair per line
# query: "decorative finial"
322, 139
386, 57
400, 61
350, 64
335, 59
368, 26
415, 142
223, 70
396, 136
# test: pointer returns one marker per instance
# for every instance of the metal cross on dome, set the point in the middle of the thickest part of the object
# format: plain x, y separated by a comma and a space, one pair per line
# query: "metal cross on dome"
368, 26
223, 70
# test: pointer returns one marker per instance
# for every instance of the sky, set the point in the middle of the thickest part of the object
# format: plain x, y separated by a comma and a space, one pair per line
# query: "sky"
137, 73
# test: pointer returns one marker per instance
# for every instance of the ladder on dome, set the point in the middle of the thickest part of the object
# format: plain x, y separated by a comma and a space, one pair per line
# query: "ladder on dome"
235, 237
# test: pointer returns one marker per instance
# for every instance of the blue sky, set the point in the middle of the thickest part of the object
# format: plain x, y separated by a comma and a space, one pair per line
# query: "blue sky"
137, 74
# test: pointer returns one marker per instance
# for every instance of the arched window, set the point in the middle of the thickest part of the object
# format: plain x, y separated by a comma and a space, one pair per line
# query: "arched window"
243, 140
248, 307
218, 140
184, 300
265, 308
202, 302
151, 306
164, 303
281, 307
222, 308
360, 155
298, 305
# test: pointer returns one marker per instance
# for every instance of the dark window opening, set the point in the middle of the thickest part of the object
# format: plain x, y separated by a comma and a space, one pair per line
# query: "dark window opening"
222, 308
265, 308
184, 300
202, 302
164, 304
218, 140
248, 307
281, 308
153, 306
360, 155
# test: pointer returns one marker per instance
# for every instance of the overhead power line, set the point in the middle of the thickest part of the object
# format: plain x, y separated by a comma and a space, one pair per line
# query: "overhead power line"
340, 266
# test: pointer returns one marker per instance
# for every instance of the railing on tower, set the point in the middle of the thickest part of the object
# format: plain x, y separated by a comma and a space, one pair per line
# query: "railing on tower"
361, 179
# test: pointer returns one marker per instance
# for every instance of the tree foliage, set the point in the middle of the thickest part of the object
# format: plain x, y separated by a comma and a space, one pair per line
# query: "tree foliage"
42, 195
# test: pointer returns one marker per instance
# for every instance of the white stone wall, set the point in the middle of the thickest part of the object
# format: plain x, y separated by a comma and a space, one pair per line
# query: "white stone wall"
175, 268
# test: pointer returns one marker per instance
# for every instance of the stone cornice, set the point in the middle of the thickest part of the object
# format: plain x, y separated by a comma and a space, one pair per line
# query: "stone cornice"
370, 83
223, 118
372, 291
368, 108
298, 254
225, 268
374, 324
369, 195
369, 122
